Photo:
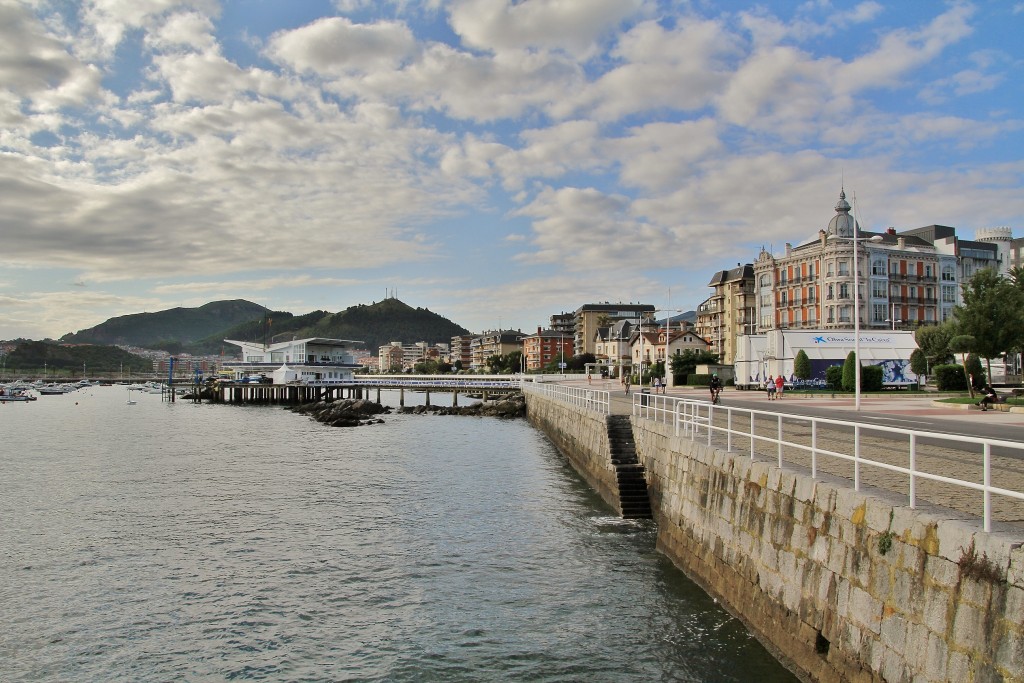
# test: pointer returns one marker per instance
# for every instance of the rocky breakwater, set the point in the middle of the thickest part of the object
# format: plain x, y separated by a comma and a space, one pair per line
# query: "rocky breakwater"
344, 412
355, 412
513, 406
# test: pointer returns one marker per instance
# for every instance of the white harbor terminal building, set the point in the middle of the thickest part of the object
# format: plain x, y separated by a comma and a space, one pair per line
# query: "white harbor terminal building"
315, 360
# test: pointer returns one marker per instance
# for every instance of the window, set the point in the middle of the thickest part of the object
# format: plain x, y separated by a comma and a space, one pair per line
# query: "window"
844, 268
766, 281
928, 270
878, 289
810, 270
948, 294
810, 295
829, 269
879, 312
783, 298
844, 291
948, 274
878, 267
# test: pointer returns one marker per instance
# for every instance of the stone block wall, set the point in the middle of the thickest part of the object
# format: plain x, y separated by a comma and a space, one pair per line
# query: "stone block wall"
801, 562
582, 437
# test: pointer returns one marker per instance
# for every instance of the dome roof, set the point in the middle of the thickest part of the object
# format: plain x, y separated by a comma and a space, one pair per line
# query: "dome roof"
843, 224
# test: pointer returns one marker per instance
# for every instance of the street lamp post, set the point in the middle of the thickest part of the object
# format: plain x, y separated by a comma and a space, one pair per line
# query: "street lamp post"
856, 308
892, 316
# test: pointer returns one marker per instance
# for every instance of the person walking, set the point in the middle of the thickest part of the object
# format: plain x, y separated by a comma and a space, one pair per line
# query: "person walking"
770, 388
625, 381
780, 384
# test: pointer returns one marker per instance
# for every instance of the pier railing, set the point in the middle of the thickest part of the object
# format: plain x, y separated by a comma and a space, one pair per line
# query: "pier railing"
901, 459
595, 400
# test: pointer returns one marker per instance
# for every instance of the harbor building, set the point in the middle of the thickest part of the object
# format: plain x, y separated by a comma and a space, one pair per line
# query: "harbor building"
310, 361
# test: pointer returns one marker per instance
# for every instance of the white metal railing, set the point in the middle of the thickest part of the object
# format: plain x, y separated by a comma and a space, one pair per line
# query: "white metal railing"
750, 430
596, 400
507, 382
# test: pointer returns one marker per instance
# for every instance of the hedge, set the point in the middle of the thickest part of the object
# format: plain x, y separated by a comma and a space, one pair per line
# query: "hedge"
950, 377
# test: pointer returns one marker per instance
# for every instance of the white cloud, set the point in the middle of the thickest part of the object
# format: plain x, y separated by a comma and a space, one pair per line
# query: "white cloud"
900, 51
335, 46
183, 30
584, 229
37, 68
680, 69
660, 156
109, 20
501, 25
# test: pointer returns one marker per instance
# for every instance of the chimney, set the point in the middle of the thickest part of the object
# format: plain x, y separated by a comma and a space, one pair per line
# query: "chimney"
890, 231
901, 242
789, 249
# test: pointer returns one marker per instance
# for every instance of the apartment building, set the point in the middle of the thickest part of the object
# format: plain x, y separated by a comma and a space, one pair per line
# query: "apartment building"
546, 346
493, 343
587, 319
729, 312
903, 278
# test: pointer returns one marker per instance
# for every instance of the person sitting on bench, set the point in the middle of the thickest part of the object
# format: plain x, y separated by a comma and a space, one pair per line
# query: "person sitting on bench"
988, 397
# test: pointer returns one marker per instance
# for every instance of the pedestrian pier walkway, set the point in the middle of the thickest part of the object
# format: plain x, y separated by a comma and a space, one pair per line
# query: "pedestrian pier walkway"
484, 387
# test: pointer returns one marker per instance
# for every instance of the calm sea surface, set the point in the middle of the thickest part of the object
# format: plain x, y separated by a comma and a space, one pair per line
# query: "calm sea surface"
175, 542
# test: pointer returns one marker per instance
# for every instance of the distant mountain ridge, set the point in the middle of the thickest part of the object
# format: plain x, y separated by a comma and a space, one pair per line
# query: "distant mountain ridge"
203, 330
181, 325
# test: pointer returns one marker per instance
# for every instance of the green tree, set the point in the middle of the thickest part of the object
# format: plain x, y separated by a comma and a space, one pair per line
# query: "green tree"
992, 313
802, 365
685, 362
975, 371
918, 362
850, 372
963, 344
934, 341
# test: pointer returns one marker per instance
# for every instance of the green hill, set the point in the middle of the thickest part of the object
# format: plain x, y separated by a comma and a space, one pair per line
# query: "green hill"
202, 331
69, 361
170, 327
273, 326
387, 321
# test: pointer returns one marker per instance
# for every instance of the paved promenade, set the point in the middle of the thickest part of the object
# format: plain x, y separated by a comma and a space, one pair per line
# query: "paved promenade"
903, 411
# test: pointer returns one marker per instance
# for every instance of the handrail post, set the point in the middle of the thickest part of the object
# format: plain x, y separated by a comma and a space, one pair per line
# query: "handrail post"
814, 449
913, 471
988, 487
752, 451
856, 457
728, 429
778, 439
711, 419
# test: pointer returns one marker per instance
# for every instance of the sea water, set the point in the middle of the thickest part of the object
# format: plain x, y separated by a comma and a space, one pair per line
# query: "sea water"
183, 542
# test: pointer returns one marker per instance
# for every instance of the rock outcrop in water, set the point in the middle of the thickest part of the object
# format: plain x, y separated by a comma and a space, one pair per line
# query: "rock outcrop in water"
354, 412
344, 412
513, 406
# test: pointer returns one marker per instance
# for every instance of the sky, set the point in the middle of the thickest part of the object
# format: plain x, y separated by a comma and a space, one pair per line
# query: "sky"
494, 161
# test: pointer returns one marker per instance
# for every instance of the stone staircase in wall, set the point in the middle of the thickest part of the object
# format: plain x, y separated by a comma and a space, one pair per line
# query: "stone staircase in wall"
633, 498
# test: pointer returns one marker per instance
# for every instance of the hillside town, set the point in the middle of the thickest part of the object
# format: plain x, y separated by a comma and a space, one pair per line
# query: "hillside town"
906, 279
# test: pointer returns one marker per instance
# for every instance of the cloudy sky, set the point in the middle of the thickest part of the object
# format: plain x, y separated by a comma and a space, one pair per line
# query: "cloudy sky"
495, 161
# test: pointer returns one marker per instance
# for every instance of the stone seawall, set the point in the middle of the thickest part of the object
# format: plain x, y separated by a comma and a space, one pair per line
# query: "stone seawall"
841, 585
582, 437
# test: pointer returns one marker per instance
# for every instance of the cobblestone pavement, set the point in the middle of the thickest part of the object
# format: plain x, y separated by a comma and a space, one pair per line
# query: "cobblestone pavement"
952, 460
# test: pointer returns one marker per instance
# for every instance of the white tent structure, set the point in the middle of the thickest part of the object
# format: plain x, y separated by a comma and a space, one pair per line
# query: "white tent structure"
760, 355
284, 375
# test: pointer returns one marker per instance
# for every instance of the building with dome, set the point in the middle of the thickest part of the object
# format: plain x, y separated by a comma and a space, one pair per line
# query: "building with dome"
904, 279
